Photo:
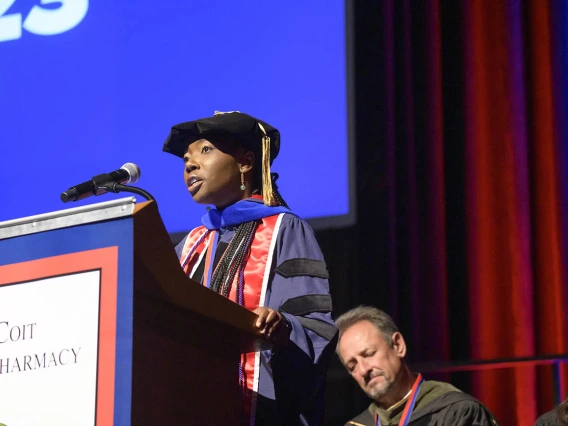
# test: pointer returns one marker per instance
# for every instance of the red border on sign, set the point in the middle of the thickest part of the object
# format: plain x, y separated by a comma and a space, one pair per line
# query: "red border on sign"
105, 259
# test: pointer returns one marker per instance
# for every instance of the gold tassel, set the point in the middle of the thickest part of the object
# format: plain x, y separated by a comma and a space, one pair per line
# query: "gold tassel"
267, 192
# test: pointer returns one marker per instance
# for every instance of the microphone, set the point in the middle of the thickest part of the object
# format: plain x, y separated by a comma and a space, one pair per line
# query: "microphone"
129, 173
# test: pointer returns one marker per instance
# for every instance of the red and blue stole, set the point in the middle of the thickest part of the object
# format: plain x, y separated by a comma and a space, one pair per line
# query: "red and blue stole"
202, 242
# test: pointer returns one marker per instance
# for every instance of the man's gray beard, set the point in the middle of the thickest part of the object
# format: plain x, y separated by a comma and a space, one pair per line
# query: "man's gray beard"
378, 391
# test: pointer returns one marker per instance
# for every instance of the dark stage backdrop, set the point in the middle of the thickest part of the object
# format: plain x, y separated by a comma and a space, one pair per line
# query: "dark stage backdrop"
461, 180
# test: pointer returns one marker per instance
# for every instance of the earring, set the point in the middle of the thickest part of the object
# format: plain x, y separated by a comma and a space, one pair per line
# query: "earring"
243, 187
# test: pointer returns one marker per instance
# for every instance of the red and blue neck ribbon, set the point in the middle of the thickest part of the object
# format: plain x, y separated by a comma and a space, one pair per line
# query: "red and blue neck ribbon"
409, 407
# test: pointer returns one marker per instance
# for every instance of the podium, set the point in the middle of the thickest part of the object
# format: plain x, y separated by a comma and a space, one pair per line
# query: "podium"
99, 325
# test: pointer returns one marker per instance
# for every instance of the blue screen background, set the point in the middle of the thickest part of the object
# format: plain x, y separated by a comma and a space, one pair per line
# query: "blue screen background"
107, 91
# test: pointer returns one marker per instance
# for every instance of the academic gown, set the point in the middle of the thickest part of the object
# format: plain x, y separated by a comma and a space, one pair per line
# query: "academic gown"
549, 419
290, 388
437, 404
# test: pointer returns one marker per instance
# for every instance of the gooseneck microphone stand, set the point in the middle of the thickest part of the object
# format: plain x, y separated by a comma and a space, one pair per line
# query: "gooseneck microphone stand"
117, 187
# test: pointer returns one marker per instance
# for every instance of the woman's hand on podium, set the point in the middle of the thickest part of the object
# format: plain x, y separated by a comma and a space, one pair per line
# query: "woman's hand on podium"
273, 326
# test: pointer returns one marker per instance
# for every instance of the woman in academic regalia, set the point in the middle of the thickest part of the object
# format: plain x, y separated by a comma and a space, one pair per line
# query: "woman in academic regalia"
254, 250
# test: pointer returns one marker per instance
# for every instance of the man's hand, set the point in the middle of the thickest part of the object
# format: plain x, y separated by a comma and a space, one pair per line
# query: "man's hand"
272, 325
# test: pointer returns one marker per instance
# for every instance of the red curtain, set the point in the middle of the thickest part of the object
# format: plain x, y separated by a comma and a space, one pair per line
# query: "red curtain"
464, 103
514, 200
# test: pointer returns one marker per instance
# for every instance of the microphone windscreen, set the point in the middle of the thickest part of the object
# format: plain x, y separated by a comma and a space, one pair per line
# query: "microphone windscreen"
133, 172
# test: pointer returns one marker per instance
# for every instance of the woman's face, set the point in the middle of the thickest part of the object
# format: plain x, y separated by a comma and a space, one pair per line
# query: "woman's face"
212, 172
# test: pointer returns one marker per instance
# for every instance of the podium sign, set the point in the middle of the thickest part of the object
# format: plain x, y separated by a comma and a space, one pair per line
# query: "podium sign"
58, 317
50, 351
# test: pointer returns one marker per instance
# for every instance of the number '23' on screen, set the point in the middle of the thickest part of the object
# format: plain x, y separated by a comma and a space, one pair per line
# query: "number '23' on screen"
60, 16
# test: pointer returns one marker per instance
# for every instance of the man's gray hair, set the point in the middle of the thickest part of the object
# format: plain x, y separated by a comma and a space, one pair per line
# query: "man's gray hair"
382, 321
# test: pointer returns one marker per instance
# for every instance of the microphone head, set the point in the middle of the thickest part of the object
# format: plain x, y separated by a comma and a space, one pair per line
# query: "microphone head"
133, 172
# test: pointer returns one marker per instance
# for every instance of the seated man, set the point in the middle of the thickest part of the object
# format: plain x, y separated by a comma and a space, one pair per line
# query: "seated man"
373, 351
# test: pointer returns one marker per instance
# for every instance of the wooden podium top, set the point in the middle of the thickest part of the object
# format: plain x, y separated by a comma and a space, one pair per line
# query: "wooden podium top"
154, 250
66, 218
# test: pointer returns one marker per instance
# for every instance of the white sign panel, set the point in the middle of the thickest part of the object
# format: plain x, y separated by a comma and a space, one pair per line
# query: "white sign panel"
48, 351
